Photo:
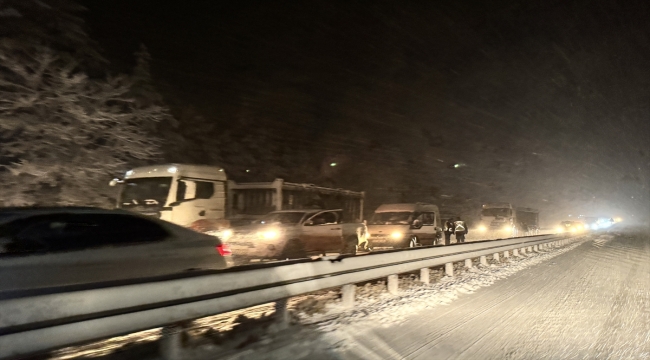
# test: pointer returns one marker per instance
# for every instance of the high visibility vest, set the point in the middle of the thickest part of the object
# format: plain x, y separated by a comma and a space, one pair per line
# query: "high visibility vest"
459, 226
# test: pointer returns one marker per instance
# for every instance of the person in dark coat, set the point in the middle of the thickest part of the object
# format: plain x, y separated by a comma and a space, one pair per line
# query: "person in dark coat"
449, 229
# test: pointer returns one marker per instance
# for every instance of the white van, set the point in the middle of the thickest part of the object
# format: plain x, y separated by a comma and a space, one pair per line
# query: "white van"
404, 225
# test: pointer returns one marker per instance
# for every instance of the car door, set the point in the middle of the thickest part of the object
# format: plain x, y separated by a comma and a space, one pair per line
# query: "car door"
322, 233
428, 228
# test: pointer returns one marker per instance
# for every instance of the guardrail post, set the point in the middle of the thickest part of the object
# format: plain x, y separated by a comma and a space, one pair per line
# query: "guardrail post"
468, 263
424, 275
393, 284
535, 248
449, 269
523, 251
506, 254
347, 295
530, 249
495, 257
282, 313
515, 252
483, 260
171, 342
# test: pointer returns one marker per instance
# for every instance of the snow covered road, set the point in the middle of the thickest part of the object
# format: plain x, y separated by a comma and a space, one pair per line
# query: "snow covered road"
591, 302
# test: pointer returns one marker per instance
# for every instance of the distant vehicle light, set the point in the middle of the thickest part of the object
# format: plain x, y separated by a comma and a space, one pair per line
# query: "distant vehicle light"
618, 219
482, 228
172, 170
224, 250
333, 164
574, 229
397, 235
559, 230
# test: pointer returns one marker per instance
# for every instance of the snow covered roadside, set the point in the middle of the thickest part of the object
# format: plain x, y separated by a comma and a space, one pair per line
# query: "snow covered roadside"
247, 333
328, 329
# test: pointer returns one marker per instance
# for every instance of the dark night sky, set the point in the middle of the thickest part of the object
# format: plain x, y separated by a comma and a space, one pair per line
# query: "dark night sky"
546, 102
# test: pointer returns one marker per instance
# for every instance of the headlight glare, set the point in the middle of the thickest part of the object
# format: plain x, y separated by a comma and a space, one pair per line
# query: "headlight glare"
396, 235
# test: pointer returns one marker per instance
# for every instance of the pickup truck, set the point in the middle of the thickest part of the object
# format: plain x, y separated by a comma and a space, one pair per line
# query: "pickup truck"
291, 234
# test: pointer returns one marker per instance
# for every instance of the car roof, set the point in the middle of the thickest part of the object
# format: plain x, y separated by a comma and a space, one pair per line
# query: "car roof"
57, 210
12, 213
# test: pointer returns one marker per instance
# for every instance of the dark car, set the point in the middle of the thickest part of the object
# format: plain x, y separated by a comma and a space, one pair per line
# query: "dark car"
43, 247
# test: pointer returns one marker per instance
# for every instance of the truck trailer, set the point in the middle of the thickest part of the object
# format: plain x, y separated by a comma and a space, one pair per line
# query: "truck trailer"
201, 197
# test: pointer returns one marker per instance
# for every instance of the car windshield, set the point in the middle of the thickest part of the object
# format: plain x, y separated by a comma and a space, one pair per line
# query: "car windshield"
282, 218
145, 191
391, 218
496, 212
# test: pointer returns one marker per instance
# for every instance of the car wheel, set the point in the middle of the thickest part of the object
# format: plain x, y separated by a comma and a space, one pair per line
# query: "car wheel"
294, 249
350, 246
413, 242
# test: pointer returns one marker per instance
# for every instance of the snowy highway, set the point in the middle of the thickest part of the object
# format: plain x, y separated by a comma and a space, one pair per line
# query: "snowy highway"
591, 301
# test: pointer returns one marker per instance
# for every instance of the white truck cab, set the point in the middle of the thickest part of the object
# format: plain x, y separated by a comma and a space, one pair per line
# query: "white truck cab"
497, 221
404, 225
179, 193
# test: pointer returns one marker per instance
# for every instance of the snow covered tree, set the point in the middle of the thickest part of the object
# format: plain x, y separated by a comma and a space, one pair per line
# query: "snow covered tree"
64, 134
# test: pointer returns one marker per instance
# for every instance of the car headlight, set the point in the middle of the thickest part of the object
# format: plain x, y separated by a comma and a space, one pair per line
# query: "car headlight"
574, 229
271, 234
226, 234
482, 228
396, 235
507, 228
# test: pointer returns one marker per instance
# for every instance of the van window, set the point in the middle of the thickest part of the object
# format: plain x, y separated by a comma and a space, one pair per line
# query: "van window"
391, 218
428, 218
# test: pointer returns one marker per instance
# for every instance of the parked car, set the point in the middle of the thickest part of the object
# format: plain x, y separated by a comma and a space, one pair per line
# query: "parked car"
43, 247
404, 225
291, 234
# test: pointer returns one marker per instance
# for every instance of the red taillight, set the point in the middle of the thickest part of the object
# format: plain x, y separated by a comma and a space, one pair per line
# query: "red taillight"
224, 250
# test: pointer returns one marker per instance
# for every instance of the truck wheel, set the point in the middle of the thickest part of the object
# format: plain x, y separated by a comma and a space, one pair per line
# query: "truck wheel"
413, 242
294, 249
350, 245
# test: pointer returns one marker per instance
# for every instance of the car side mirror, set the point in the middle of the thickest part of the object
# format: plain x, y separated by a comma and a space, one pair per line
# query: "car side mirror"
115, 182
417, 223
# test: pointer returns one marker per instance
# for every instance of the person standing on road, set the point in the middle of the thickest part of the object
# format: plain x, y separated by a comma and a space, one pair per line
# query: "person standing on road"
449, 229
460, 229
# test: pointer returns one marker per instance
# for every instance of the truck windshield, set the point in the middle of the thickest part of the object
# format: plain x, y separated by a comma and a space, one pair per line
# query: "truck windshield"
391, 218
497, 212
145, 191
282, 218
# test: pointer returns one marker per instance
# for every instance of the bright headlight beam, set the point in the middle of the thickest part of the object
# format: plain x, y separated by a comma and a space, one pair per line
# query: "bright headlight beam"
396, 235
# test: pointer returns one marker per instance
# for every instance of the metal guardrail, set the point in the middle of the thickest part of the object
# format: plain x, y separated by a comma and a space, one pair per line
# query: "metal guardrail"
37, 322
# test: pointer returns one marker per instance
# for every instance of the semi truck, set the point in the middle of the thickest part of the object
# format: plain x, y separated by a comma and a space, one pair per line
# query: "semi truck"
203, 198
501, 220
